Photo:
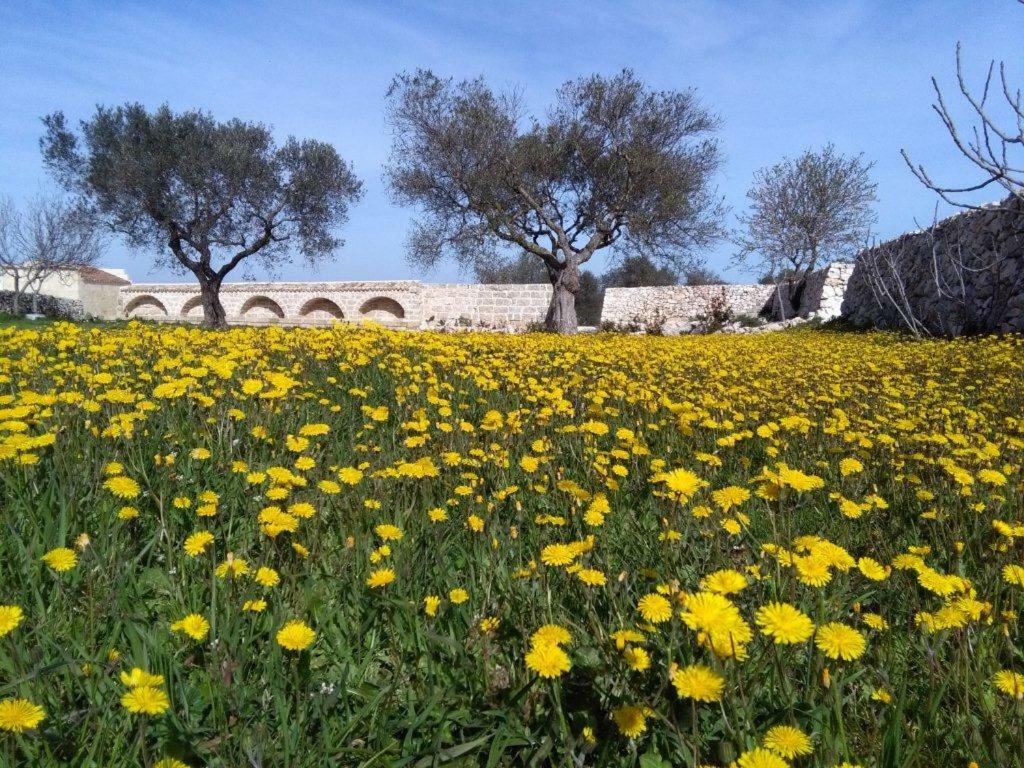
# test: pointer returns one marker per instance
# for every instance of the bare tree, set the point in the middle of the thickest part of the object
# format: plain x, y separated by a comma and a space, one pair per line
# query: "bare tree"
203, 196
994, 145
948, 261
53, 237
805, 213
615, 165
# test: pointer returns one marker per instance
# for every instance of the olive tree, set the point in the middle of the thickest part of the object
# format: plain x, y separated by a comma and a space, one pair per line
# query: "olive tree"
203, 196
614, 165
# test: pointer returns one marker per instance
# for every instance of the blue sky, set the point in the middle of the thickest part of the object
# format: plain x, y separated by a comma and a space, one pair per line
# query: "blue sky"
782, 75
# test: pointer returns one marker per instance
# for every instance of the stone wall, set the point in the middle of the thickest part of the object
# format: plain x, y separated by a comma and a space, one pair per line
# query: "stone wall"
680, 306
964, 275
494, 306
394, 303
51, 306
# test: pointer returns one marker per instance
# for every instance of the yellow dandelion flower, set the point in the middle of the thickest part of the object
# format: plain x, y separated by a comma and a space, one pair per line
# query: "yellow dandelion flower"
295, 636
193, 625
61, 559
784, 623
10, 617
787, 741
698, 682
145, 700
19, 715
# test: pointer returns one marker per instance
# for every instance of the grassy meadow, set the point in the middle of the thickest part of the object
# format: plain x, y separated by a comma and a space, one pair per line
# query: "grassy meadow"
355, 547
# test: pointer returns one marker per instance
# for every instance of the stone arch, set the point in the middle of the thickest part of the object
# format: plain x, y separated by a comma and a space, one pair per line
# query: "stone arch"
382, 309
145, 306
261, 308
321, 309
193, 308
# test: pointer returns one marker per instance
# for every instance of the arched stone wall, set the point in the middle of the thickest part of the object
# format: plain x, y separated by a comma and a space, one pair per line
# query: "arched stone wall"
321, 308
261, 309
391, 303
193, 309
382, 309
147, 306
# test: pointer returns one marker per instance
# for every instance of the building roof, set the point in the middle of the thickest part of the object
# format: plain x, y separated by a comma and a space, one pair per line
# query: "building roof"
97, 276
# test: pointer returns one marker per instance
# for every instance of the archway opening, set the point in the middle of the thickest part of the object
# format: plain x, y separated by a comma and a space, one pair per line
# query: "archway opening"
145, 306
261, 308
383, 310
321, 309
193, 308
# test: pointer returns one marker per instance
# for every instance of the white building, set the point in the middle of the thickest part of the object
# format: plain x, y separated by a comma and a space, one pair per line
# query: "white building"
98, 289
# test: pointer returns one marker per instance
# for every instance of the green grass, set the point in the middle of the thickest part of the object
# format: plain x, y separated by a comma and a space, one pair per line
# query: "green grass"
386, 685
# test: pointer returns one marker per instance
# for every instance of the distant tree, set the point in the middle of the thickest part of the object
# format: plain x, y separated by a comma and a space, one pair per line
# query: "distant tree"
202, 195
807, 212
614, 165
522, 269
51, 237
638, 271
702, 276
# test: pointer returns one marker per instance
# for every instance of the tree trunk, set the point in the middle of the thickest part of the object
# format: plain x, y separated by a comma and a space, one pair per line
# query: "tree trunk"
17, 293
561, 316
214, 315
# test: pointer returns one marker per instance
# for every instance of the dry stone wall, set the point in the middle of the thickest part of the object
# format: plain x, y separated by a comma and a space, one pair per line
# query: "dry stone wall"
50, 306
679, 307
964, 275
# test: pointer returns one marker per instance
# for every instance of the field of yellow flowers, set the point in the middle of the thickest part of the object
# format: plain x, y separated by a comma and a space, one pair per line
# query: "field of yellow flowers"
356, 547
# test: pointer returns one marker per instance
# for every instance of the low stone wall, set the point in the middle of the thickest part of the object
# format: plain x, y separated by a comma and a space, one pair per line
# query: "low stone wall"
678, 307
964, 275
394, 303
51, 306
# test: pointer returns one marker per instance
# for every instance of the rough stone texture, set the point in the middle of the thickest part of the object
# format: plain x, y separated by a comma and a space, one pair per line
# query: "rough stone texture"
679, 307
824, 291
978, 257
395, 303
51, 306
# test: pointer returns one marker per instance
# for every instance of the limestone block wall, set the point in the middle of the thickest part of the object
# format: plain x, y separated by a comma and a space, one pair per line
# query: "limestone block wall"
964, 275
823, 291
494, 306
394, 303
